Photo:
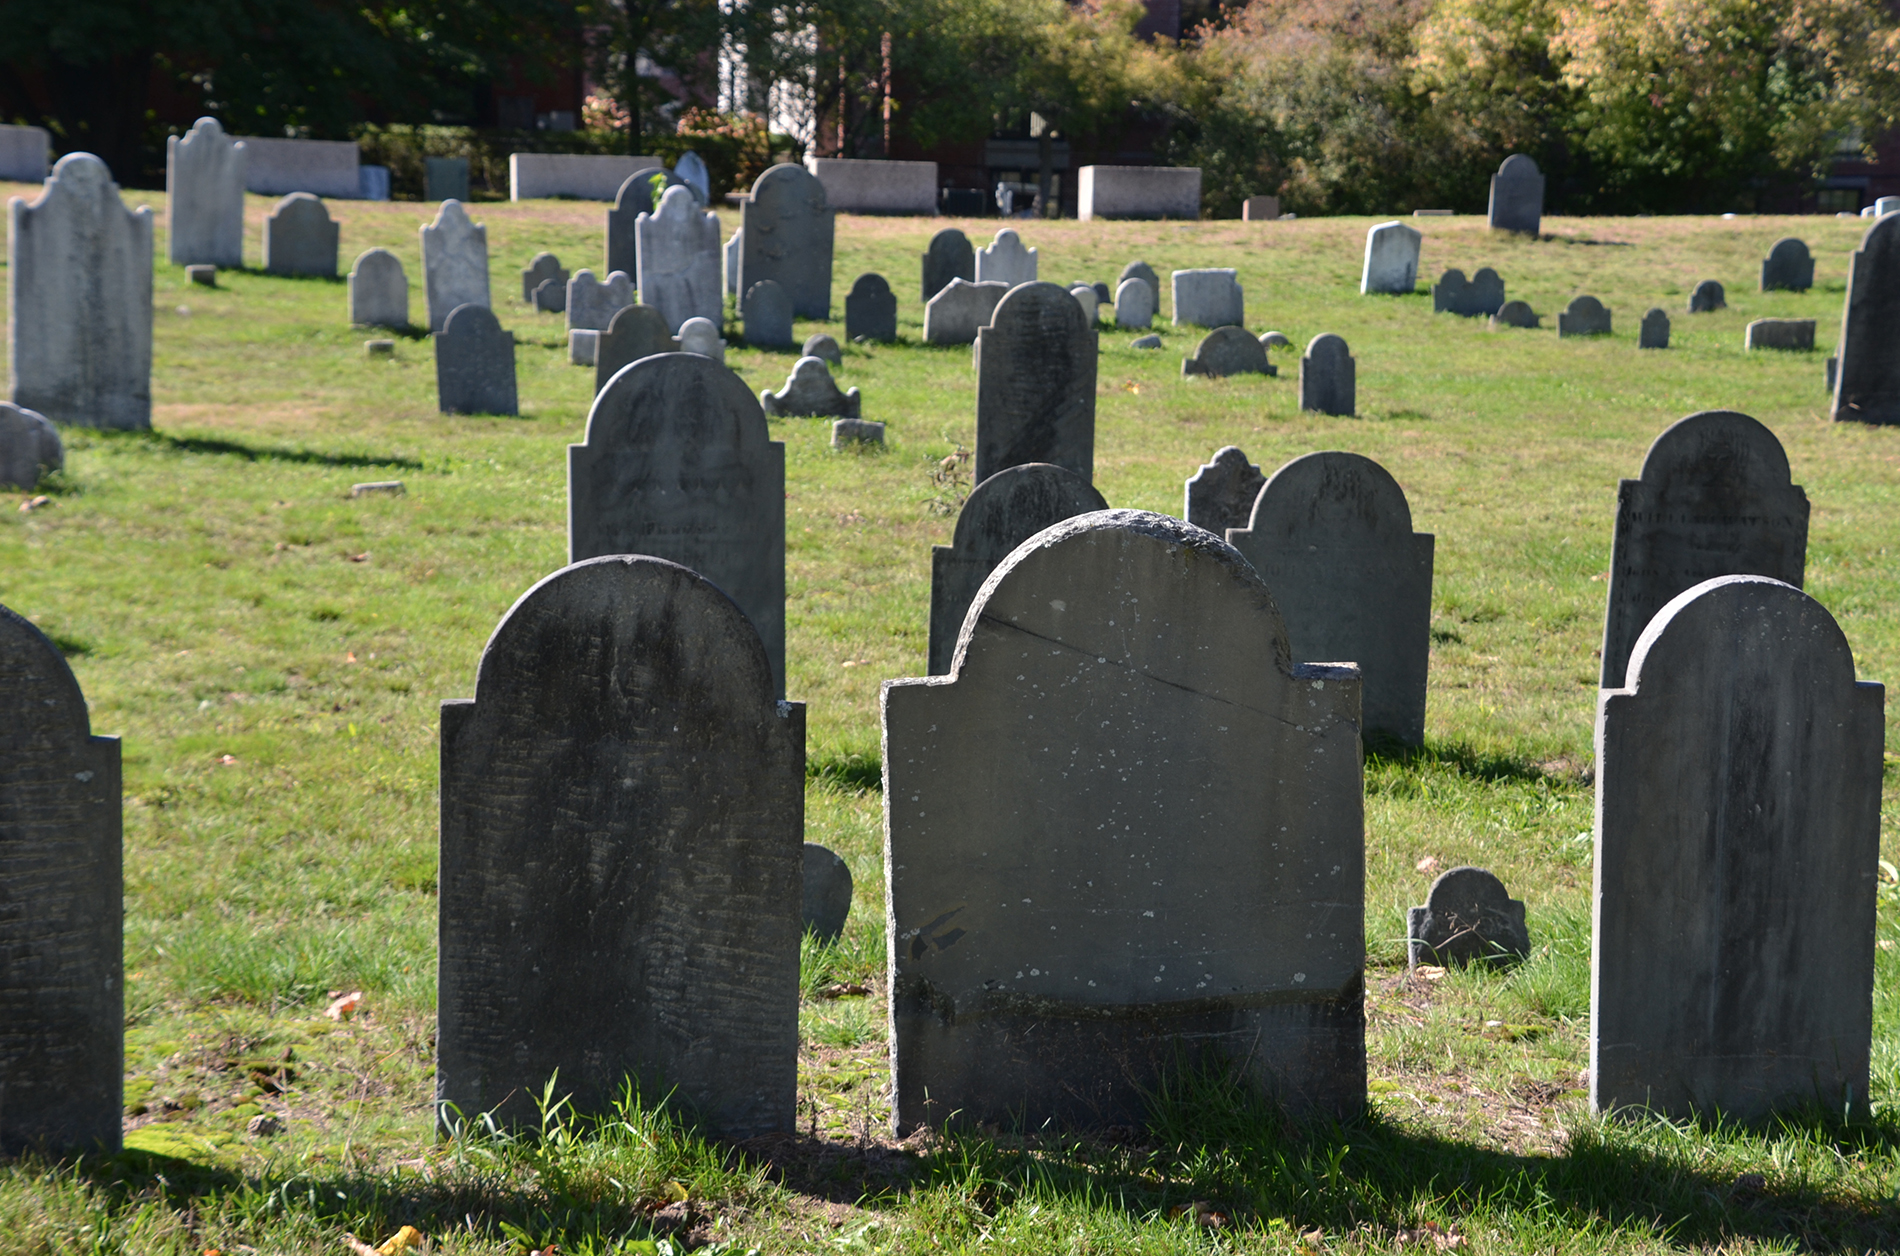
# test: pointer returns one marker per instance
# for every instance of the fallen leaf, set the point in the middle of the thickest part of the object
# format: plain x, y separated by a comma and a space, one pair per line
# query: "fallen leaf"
401, 1241
1431, 1232
1430, 972
344, 1006
360, 558
1312, 1238
227, 760
844, 990
34, 503
350, 657
1427, 864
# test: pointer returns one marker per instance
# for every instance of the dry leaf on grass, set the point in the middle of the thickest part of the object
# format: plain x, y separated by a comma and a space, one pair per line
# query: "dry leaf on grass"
1429, 972
343, 1006
34, 503
1441, 1238
1427, 864
844, 990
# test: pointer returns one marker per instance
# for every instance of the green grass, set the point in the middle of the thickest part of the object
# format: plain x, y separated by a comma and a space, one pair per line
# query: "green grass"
221, 597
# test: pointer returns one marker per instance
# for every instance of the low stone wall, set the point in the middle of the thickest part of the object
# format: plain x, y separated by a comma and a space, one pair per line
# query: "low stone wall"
578, 175
877, 187
1139, 192
278, 167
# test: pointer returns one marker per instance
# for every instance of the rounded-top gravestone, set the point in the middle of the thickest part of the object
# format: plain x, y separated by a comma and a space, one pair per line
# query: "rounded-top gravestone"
454, 263
300, 238
1708, 296
1220, 495
1228, 351
870, 309
29, 447
828, 887
701, 336
810, 392
1654, 333
544, 266
1135, 304
678, 265
789, 235
1036, 365
638, 331
1391, 261
1139, 269
1514, 314
475, 363
1006, 260
1468, 917
1329, 378
949, 257
1584, 316
1789, 266
1517, 196
821, 345
767, 315
379, 291
204, 196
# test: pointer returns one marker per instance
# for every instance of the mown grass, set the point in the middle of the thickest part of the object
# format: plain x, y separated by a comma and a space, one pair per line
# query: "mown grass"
272, 652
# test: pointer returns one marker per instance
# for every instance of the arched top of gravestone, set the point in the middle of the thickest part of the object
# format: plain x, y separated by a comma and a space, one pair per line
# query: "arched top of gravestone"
1791, 250
1231, 351
1518, 166
1486, 277
1327, 347
452, 220
870, 284
639, 320
636, 190
1585, 306
34, 675
1717, 451
676, 400
471, 320
951, 245
790, 191
1139, 269
83, 181
1767, 627
378, 261
1517, 314
691, 170
1334, 494
1883, 235
677, 206
298, 209
1039, 308
206, 131
1468, 893
990, 524
1453, 278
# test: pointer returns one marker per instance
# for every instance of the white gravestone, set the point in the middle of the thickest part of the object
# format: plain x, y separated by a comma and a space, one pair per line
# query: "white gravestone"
454, 263
679, 259
592, 304
1006, 260
1391, 265
379, 291
701, 336
204, 196
300, 238
1135, 303
1208, 298
960, 310
1085, 297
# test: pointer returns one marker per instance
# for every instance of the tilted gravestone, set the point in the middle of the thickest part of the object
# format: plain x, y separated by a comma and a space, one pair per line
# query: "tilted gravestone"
475, 364
1220, 495
1208, 298
826, 902
809, 393
1707, 297
1738, 825
204, 196
1165, 862
789, 230
701, 336
638, 331
379, 291
820, 345
1006, 260
1779, 333
1391, 265
1001, 513
1331, 534
454, 263
678, 464
1517, 196
1468, 918
950, 256
550, 296
62, 996
622, 816
1035, 384
29, 447
1584, 316
591, 304
300, 238
1135, 304
1789, 266
635, 197
1139, 269
1654, 333
1229, 351
1514, 314
1329, 377
1866, 380
1715, 498
1478, 297
955, 315
79, 282
679, 260
870, 309
767, 315
545, 266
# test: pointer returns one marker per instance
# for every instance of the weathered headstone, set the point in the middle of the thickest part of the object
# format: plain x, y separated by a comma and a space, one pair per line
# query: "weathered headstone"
62, 1030
1788, 266
820, 345
544, 266
1331, 534
592, 304
1006, 260
1229, 351
1275, 340
1208, 298
810, 392
445, 179
767, 315
1584, 316
581, 344
691, 170
1149, 341
379, 291
701, 336
1517, 196
1329, 377
475, 364
1707, 297
788, 228
300, 238
1779, 333
454, 263
1220, 495
1738, 825
1035, 384
29, 447
955, 315
204, 196
1515, 314
550, 297
1654, 333
846, 432
734, 247
1135, 304
1139, 269
1102, 295
950, 256
1001, 513
636, 197
1060, 937
1391, 264
870, 309
1715, 498
827, 897
1478, 297
1866, 384
622, 806
1468, 918
638, 331
1085, 297
79, 282
679, 260
678, 464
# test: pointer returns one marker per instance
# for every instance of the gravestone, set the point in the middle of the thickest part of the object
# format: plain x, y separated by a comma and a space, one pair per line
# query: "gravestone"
691, 170
545, 266
1789, 266
678, 464
635, 197
1102, 295
1275, 340
1139, 269
1517, 196
1221, 493
848, 432
789, 231
1738, 826
949, 257
1186, 886
29, 447
733, 248
454, 263
767, 315
1479, 297
475, 364
1035, 383
1260, 209
581, 344
1135, 304
1515, 314
1391, 264
62, 1034
638, 331
827, 894
203, 274
1229, 351
79, 286
1468, 918
819, 345
550, 297
1001, 513
592, 304
955, 315
1779, 333
1715, 498
1006, 260
1086, 299
1707, 297
1329, 377
1655, 330
1208, 298
870, 309
679, 260
379, 291
204, 196
445, 179
1149, 341
701, 336
622, 814
1331, 534
300, 238
1584, 316
810, 393
1867, 374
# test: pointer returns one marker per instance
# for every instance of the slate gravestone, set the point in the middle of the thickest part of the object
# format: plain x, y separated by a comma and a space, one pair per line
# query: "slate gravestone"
300, 238
1391, 265
622, 816
379, 291
1275, 340
62, 998
638, 331
204, 196
1035, 384
810, 393
1329, 377
1208, 298
475, 364
1221, 493
955, 315
870, 309
1102, 295
550, 296
1655, 330
1517, 196
788, 228
454, 263
1584, 316
1738, 825
79, 287
691, 170
767, 314
1779, 333
1228, 351
445, 179
1164, 863
701, 336
734, 247
827, 894
1331, 534
1149, 341
591, 304
819, 345
1139, 269
581, 343
1707, 297
1479, 297
635, 197
1135, 304
1001, 513
1867, 375
1468, 918
1006, 260
678, 464
1788, 266
29, 447
1514, 314
545, 266
1086, 300
950, 256
679, 260
1715, 498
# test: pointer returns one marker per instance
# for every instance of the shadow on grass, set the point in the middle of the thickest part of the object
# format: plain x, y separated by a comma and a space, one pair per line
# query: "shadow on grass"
1459, 757
168, 443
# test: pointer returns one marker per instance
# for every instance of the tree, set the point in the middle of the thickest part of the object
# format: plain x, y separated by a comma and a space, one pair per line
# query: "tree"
633, 42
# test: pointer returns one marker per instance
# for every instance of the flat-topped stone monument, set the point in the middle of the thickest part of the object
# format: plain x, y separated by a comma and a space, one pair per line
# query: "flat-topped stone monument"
1220, 495
475, 364
1391, 265
454, 263
1707, 298
1006, 260
870, 309
1468, 918
622, 806
788, 228
1135, 304
1779, 333
1329, 377
204, 196
591, 304
810, 392
379, 291
1229, 351
1515, 314
635, 197
1517, 196
950, 256
300, 238
767, 315
1584, 316
29, 447
1866, 380
701, 336
545, 266
1208, 298
1035, 383
1654, 332
638, 331
955, 315
1789, 267
679, 260
826, 902
1481, 296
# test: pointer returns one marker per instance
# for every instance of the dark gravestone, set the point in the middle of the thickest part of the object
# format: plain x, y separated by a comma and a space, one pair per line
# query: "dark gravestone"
1654, 333
622, 811
678, 464
549, 297
1102, 295
1866, 384
1738, 825
950, 256
475, 364
1715, 499
1517, 196
1331, 534
767, 315
62, 999
1707, 298
1329, 378
1125, 836
1228, 351
1514, 314
1002, 512
29, 447
1468, 917
1035, 383
788, 229
1789, 267
820, 345
1779, 333
300, 238
637, 331
637, 195
545, 266
1479, 297
1221, 494
1584, 316
827, 900
870, 309
1141, 270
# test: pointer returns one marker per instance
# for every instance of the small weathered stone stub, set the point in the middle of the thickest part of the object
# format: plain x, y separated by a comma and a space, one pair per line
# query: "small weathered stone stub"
1229, 351
1468, 918
1220, 495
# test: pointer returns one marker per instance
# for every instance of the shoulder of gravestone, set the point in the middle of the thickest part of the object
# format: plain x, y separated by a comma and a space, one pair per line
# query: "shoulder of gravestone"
31, 654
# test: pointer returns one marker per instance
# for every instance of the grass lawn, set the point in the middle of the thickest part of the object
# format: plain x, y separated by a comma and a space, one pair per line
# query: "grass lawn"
272, 653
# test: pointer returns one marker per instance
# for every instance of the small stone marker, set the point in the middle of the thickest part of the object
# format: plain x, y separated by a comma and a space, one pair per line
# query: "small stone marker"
475, 364
789, 231
734, 247
592, 304
1149, 341
855, 432
1779, 333
810, 392
1035, 383
1789, 266
1001, 513
622, 801
1331, 534
870, 309
1468, 918
1006, 260
949, 257
29, 448
955, 315
1135, 304
638, 331
300, 238
582, 344
1260, 209
1275, 340
820, 345
1515, 314
1479, 297
454, 263
1715, 499
1707, 297
204, 275
1584, 316
545, 266
679, 260
1220, 495
1085, 297
1329, 377
379, 291
204, 196
550, 297
1655, 330
634, 198
1139, 269
1102, 295
1029, 983
1867, 376
1517, 196
379, 348
678, 463
1738, 826
446, 179
701, 336
375, 488
1391, 265
827, 894
1208, 298
767, 315
1229, 351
